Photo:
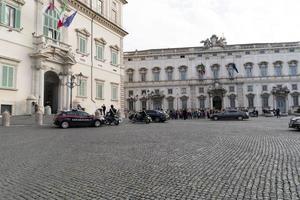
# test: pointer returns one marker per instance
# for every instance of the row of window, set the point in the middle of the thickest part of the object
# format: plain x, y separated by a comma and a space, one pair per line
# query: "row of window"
207, 55
183, 91
82, 90
293, 71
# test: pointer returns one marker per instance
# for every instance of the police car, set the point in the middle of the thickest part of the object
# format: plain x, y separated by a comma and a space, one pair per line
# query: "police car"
66, 119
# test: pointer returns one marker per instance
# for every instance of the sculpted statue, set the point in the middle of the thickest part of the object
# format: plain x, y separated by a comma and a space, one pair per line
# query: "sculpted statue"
214, 41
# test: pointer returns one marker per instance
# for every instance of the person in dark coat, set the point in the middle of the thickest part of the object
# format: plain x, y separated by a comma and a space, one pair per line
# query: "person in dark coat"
103, 109
278, 112
184, 113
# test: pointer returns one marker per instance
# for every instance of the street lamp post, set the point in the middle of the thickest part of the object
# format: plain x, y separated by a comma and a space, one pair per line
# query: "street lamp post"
71, 84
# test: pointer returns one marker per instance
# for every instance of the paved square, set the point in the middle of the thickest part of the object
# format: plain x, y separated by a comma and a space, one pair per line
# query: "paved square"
194, 159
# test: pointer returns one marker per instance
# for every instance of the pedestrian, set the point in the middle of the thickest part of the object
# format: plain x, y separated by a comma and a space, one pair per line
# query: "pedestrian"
103, 109
278, 112
184, 113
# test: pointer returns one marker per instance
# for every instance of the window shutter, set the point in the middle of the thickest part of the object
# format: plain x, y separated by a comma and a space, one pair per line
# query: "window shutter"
18, 18
4, 76
2, 12
10, 77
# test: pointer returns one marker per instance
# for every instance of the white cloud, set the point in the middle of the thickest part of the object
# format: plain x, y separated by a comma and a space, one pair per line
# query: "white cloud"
178, 23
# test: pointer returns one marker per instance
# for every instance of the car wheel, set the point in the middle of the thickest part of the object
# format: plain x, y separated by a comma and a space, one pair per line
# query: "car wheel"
157, 119
97, 123
216, 118
116, 122
240, 118
65, 124
147, 121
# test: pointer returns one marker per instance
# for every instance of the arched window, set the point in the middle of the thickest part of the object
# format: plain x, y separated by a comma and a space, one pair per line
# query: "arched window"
130, 75
156, 72
249, 69
215, 69
263, 66
169, 72
143, 73
51, 18
183, 72
278, 68
293, 67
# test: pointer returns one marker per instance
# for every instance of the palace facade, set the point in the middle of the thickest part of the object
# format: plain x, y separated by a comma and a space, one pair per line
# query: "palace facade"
61, 67
214, 76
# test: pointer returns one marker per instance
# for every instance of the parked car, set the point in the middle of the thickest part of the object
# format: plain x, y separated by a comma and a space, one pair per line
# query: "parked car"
157, 115
66, 119
295, 123
230, 114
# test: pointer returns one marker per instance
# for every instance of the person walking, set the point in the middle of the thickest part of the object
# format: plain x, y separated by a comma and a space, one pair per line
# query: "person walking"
103, 109
278, 113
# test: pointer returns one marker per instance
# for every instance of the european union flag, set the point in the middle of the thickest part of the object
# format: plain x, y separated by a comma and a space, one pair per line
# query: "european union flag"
69, 20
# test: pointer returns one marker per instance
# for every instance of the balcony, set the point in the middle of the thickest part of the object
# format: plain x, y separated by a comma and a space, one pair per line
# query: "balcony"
43, 42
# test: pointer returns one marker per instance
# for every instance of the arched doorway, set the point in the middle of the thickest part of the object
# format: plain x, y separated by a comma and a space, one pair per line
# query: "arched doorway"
51, 90
281, 103
217, 103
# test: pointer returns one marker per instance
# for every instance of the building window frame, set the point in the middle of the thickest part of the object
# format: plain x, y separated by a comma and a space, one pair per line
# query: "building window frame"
82, 41
100, 90
114, 55
7, 76
114, 92
50, 29
10, 14
82, 88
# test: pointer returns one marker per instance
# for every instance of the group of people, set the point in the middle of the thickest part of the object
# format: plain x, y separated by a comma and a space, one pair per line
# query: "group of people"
188, 114
112, 111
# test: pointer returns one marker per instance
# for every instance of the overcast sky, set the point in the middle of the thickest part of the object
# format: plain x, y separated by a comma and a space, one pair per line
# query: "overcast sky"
182, 23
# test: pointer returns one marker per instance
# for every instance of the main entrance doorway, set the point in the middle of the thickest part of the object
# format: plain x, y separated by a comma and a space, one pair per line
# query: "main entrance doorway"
51, 90
281, 103
217, 102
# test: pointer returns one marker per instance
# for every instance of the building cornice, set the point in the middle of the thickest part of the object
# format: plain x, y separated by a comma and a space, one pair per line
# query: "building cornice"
202, 50
97, 17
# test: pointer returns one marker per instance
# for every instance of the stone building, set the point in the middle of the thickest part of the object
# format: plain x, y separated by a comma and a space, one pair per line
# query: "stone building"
39, 61
214, 76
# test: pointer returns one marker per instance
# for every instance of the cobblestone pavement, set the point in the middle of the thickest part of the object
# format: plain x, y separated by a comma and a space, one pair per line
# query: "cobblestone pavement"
193, 159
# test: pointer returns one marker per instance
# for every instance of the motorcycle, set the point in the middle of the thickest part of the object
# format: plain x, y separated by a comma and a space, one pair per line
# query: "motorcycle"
108, 120
140, 117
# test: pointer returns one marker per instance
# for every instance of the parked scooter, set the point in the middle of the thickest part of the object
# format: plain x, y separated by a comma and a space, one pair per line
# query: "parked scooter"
140, 117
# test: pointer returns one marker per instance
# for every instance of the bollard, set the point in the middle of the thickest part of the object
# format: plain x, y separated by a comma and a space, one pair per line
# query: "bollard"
97, 114
5, 119
39, 118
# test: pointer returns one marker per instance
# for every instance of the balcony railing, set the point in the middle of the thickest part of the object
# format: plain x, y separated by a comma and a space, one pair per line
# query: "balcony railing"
43, 41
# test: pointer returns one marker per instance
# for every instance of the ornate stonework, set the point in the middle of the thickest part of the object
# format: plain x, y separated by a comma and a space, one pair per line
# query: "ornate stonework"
214, 41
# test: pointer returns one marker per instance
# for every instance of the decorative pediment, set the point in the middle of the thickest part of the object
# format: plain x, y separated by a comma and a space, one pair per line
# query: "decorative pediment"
232, 96
265, 94
278, 90
250, 95
169, 69
56, 55
20, 2
215, 66
100, 41
248, 65
156, 69
295, 94
115, 47
143, 70
263, 64
201, 97
182, 68
184, 97
130, 71
293, 62
83, 32
170, 98
278, 63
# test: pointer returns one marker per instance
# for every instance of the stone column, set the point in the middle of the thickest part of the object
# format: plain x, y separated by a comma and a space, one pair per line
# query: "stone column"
41, 88
39, 17
193, 97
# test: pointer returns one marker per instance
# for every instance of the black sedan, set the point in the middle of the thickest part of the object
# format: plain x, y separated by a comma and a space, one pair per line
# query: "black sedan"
230, 114
157, 115
77, 118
